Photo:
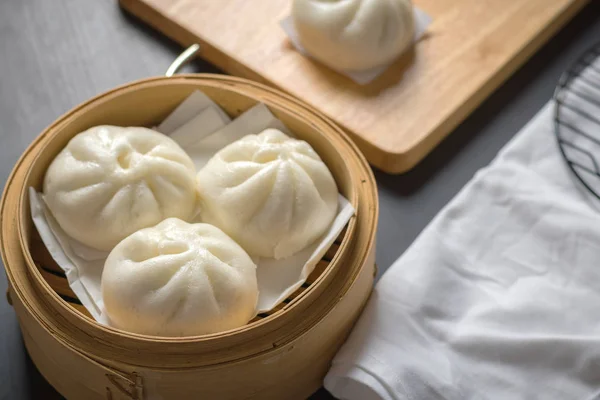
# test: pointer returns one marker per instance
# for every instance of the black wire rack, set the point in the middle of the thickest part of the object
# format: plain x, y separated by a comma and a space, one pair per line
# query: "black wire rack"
577, 118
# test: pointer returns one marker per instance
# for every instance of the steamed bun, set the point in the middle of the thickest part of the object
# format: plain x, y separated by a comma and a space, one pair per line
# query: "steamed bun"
354, 35
179, 279
269, 192
110, 181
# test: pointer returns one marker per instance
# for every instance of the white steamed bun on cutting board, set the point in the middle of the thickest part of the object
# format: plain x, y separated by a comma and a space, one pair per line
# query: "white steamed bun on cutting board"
179, 279
271, 193
354, 35
110, 181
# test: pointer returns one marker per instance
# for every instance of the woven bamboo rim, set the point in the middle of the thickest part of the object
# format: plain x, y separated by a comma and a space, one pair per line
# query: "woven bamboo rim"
297, 317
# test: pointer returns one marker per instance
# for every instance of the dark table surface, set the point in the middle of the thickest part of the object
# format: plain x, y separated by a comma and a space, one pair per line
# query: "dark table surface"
56, 54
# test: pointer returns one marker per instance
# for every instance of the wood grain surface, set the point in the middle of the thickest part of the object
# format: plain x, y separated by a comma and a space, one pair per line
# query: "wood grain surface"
471, 47
55, 54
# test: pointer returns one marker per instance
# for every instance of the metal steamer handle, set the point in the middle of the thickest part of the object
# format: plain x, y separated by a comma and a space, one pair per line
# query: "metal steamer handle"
182, 60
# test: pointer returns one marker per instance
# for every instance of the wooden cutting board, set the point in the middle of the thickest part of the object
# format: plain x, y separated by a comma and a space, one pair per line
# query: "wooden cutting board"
470, 48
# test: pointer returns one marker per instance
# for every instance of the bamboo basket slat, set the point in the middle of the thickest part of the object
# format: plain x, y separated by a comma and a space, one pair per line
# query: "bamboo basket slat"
58, 283
41, 256
282, 354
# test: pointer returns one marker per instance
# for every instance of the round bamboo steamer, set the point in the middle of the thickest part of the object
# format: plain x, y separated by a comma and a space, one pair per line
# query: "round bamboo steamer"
282, 355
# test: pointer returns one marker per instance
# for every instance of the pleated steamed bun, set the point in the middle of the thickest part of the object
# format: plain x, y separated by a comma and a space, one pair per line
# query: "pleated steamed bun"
179, 279
354, 35
269, 192
110, 181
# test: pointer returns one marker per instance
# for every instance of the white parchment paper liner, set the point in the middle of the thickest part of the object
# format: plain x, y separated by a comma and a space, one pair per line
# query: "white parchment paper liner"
422, 21
277, 279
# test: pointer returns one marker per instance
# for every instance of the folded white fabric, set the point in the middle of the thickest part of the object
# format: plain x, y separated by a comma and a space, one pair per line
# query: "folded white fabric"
498, 298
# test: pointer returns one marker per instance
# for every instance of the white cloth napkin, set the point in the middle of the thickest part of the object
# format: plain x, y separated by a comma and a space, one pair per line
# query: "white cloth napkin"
498, 298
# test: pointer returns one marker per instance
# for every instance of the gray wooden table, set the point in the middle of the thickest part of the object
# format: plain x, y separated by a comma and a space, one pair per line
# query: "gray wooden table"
55, 54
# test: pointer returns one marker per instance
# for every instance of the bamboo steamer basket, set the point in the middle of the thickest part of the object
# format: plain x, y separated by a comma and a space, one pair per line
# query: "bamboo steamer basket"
283, 354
